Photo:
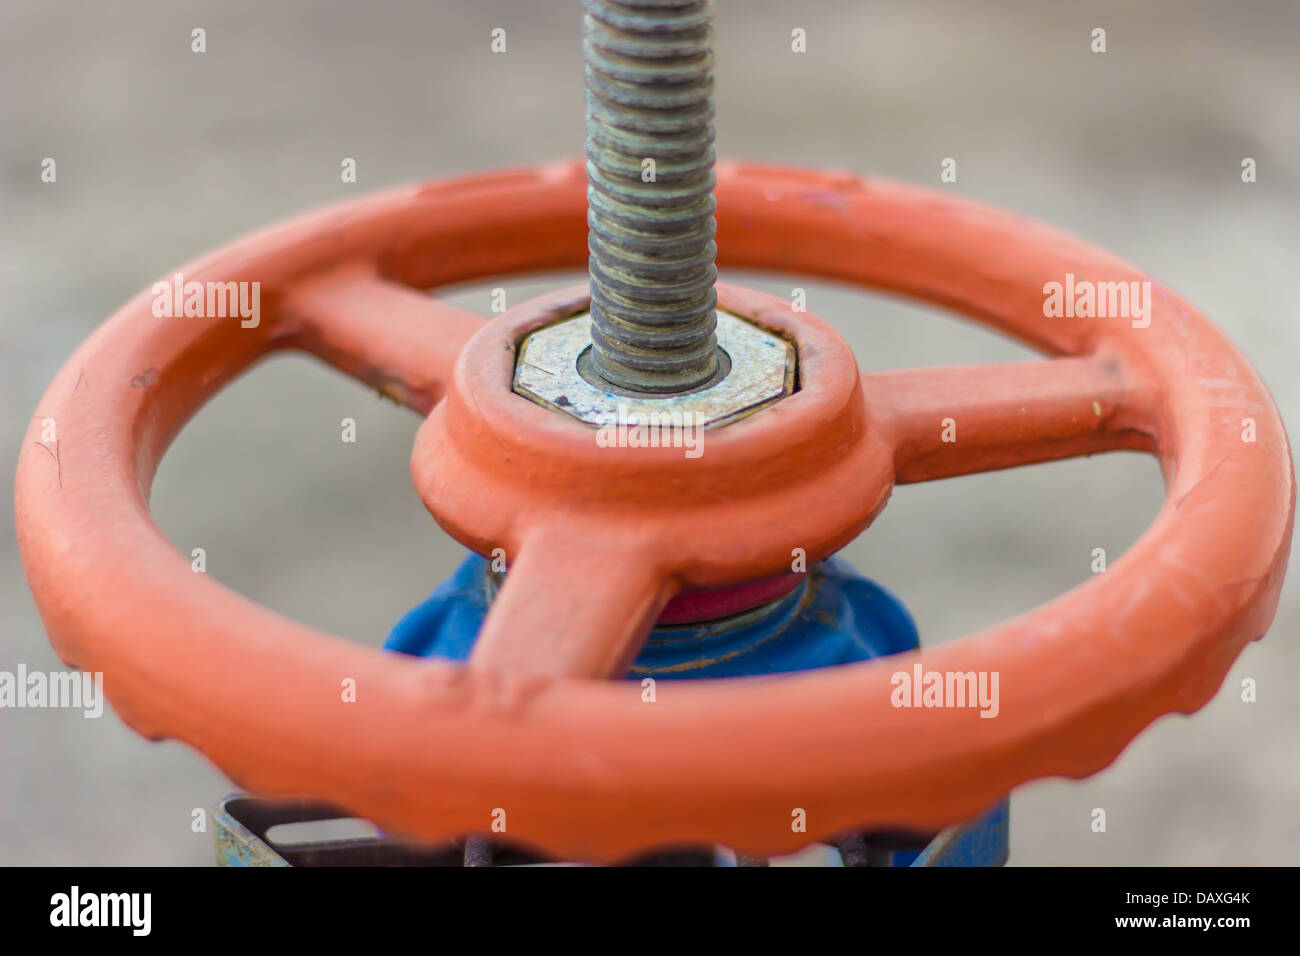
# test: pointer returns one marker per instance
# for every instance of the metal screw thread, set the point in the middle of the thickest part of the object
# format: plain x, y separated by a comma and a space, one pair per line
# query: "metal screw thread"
649, 69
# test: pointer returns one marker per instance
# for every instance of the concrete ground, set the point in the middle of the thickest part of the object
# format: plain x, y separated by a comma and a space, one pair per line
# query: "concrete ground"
162, 153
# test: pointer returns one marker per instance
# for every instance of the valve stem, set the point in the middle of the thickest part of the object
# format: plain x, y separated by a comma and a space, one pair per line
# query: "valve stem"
649, 71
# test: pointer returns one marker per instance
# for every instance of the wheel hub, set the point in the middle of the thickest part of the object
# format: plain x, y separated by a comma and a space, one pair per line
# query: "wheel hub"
492, 466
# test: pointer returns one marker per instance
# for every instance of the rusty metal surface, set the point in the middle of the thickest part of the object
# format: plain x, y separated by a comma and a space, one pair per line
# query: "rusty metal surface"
236, 844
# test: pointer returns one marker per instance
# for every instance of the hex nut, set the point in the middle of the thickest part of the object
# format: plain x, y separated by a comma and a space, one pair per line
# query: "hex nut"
762, 371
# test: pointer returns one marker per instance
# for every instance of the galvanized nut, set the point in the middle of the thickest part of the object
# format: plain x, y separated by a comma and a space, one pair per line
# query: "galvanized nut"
762, 371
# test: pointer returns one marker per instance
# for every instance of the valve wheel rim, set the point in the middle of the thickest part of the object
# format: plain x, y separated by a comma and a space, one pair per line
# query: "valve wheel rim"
585, 769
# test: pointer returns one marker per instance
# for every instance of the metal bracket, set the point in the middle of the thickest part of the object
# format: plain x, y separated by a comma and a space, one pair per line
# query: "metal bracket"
242, 822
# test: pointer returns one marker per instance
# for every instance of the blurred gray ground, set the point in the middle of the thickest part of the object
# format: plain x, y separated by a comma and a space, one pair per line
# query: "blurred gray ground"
163, 153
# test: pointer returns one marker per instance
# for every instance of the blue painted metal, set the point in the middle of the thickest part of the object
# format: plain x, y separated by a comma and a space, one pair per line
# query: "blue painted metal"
983, 842
237, 844
835, 616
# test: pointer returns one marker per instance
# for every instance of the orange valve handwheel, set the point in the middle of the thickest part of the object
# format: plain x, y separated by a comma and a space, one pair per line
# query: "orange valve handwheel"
583, 767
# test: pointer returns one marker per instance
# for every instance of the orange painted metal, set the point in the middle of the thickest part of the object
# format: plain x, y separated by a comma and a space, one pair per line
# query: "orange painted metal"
600, 538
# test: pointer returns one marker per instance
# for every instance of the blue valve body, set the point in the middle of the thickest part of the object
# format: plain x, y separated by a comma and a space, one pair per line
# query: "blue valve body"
835, 616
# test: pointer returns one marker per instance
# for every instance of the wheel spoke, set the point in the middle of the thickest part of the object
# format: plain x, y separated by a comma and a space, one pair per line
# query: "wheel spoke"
396, 339
575, 603
966, 419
